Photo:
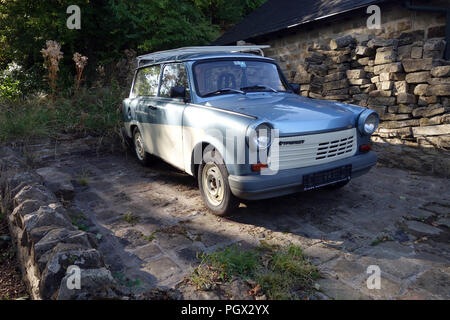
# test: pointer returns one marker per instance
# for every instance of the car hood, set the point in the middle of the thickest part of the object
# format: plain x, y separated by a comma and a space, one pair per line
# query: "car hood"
291, 113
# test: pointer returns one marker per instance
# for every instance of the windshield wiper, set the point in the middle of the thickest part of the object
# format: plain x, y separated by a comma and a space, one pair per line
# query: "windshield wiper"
223, 90
259, 86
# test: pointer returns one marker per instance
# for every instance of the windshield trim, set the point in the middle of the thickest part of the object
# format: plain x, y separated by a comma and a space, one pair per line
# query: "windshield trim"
205, 96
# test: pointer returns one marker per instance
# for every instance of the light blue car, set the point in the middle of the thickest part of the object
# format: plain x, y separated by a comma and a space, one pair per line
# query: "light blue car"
230, 119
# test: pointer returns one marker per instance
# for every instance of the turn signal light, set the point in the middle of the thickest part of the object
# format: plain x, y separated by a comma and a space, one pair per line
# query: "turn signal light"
258, 166
365, 148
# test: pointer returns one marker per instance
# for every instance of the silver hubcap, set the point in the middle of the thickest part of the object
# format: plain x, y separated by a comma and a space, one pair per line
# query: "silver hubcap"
213, 185
139, 146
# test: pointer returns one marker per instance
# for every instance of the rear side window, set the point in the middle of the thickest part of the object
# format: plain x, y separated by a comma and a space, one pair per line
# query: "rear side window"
147, 81
174, 75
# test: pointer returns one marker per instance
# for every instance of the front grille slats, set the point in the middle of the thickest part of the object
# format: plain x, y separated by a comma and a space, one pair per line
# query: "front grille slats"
317, 149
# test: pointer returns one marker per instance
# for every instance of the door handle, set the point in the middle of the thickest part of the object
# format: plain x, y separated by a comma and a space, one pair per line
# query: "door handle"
152, 107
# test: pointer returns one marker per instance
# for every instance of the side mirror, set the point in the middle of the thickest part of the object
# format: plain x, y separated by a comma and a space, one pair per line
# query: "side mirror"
178, 92
295, 87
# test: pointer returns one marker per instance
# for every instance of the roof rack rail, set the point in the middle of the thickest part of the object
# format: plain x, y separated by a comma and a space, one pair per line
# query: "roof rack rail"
175, 53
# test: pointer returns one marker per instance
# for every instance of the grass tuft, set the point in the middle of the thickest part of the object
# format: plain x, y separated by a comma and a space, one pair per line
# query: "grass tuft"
281, 273
131, 218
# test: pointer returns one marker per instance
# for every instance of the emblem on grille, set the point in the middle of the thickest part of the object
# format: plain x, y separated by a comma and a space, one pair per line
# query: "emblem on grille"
287, 143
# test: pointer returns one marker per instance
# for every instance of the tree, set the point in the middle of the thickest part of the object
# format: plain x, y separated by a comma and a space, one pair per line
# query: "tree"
108, 27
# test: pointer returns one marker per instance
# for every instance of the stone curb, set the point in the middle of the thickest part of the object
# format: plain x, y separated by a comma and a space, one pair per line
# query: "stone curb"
47, 242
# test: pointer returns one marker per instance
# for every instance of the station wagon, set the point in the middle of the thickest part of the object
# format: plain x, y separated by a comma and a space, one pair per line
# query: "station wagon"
228, 117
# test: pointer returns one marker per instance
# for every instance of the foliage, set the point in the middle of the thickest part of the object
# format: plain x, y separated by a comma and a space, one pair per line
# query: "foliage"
9, 87
94, 111
108, 27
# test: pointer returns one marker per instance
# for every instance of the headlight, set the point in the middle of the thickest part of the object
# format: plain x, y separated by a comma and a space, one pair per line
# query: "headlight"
261, 137
368, 122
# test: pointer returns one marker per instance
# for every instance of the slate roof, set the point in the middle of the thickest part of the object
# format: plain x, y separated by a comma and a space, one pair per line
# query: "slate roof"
276, 15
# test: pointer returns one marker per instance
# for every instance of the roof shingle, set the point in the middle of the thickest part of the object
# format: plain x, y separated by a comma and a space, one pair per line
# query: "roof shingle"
276, 15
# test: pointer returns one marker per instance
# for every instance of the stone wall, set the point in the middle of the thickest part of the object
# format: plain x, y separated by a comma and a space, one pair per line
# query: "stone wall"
398, 71
47, 242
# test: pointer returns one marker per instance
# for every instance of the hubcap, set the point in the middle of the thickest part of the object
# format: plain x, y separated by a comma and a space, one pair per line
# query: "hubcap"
139, 146
213, 185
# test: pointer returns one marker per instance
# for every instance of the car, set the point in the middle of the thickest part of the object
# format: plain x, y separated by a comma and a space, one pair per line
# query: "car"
228, 117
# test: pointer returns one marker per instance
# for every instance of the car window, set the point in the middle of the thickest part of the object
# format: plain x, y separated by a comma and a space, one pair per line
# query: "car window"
174, 75
147, 81
234, 74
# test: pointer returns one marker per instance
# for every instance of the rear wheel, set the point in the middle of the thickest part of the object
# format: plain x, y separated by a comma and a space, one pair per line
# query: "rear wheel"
214, 186
138, 142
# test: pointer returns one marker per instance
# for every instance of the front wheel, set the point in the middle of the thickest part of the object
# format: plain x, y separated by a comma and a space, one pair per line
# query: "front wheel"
214, 186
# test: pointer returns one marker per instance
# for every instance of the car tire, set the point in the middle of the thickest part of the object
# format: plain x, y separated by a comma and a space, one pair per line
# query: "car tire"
338, 185
213, 184
142, 156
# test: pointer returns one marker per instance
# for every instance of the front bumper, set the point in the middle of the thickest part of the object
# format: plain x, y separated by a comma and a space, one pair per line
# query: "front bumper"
290, 181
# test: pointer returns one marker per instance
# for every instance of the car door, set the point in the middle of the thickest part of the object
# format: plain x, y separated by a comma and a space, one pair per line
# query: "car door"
145, 91
167, 115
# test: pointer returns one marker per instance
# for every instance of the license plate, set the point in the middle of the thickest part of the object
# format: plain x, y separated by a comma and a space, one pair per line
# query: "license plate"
323, 178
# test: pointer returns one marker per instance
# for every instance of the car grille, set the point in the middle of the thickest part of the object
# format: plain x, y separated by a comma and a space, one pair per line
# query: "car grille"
315, 149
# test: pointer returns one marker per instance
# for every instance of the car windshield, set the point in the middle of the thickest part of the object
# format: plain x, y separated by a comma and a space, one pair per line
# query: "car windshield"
236, 76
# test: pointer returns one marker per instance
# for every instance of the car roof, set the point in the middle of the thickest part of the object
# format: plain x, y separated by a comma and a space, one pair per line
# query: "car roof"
201, 53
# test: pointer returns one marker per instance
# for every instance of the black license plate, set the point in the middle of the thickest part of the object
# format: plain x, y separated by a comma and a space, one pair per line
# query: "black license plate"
323, 178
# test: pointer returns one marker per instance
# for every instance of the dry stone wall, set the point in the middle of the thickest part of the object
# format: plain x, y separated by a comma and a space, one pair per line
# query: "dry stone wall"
405, 79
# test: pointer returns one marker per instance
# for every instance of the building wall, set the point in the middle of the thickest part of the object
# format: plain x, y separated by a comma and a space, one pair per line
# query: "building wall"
397, 70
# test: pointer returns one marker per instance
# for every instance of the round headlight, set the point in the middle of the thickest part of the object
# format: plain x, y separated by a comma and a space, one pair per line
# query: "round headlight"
261, 137
368, 122
371, 124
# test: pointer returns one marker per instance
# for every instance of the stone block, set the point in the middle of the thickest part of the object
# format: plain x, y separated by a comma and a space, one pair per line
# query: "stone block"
401, 87
354, 90
406, 98
418, 77
443, 129
424, 101
387, 85
357, 82
333, 85
386, 55
341, 42
390, 67
399, 124
416, 52
58, 182
381, 101
376, 43
404, 52
420, 89
441, 71
334, 76
439, 90
356, 74
363, 51
413, 65
438, 81
380, 93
